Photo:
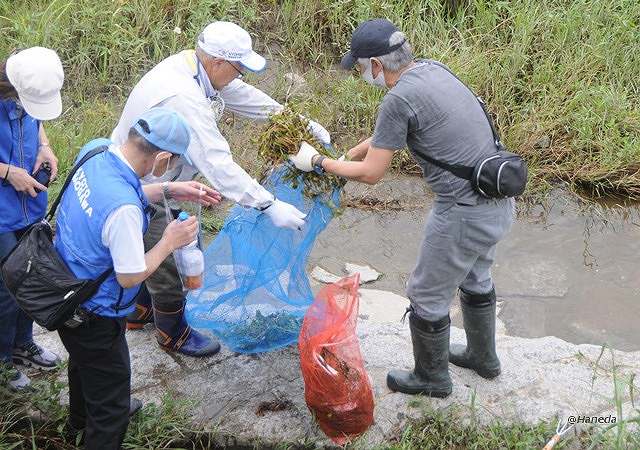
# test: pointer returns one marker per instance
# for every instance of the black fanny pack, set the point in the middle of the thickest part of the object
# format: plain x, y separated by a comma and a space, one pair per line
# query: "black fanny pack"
37, 277
499, 175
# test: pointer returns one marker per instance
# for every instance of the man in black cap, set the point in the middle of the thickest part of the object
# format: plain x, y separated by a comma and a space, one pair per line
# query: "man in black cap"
428, 110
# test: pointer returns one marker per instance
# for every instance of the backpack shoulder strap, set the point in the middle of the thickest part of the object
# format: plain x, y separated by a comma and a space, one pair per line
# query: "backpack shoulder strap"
460, 171
67, 181
464, 172
494, 131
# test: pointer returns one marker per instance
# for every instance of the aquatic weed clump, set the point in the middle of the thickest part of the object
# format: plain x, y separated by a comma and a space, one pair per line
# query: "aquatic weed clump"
281, 138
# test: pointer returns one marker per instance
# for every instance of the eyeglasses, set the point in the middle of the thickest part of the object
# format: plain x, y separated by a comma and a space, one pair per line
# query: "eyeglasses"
240, 73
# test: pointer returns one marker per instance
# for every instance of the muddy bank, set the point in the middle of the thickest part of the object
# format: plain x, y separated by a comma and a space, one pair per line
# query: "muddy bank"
560, 272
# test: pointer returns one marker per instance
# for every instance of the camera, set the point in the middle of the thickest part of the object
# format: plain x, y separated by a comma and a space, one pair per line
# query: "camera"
43, 175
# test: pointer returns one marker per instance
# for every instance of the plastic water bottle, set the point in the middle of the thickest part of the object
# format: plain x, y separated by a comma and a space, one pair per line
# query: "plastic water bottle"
190, 261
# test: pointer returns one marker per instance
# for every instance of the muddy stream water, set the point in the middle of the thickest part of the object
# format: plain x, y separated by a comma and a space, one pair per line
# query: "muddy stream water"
561, 272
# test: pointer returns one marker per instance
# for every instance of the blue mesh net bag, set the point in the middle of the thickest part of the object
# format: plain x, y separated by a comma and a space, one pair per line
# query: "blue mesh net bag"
256, 291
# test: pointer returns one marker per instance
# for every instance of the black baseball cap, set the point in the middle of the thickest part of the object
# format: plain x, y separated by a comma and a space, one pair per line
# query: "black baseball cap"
370, 39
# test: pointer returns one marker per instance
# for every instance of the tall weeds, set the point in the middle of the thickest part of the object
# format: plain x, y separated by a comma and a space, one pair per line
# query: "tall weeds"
560, 76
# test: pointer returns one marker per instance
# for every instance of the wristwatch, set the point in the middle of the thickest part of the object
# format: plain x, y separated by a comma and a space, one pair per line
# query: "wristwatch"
165, 190
317, 164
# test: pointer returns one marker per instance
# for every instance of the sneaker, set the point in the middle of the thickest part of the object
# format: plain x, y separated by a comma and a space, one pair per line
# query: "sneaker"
12, 377
32, 355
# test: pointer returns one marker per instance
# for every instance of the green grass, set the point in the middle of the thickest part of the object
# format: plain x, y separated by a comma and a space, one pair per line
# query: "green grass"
35, 419
444, 430
625, 433
561, 71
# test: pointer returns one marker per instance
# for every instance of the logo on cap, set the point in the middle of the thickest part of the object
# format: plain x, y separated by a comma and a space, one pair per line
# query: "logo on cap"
228, 41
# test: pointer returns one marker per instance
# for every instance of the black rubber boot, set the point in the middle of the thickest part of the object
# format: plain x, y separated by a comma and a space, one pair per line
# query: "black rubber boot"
430, 353
479, 317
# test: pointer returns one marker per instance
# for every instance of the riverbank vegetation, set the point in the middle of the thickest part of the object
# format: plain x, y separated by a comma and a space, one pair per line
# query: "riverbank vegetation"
561, 77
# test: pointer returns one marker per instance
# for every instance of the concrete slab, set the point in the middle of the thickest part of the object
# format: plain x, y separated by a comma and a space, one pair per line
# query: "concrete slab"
234, 394
367, 273
321, 275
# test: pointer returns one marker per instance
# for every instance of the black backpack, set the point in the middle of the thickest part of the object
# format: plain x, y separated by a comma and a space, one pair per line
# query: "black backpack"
39, 280
500, 175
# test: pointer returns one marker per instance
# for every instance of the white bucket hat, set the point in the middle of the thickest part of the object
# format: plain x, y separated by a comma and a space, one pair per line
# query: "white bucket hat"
230, 42
37, 76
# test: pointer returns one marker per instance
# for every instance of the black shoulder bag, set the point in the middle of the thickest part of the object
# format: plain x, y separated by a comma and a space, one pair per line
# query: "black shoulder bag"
500, 175
37, 277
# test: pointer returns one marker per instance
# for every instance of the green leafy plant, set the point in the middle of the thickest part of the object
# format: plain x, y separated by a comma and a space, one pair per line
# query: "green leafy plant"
281, 138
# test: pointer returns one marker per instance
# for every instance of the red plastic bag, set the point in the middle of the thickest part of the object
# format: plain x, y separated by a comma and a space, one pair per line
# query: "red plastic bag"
336, 386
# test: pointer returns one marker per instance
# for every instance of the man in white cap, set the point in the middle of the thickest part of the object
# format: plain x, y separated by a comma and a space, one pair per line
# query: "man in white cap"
199, 85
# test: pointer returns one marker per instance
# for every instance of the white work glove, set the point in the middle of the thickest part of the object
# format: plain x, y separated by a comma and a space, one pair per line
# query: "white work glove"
303, 159
319, 132
283, 214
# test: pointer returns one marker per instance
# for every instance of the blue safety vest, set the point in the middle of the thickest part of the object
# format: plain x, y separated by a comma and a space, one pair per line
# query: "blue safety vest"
103, 184
18, 147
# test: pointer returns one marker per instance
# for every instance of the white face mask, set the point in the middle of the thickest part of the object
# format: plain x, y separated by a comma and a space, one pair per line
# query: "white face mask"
367, 75
159, 169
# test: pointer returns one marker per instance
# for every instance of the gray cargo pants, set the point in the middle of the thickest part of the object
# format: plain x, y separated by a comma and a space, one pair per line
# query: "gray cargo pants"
458, 250
164, 284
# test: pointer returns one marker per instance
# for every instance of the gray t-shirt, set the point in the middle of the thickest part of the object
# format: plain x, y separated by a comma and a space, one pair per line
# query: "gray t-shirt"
432, 113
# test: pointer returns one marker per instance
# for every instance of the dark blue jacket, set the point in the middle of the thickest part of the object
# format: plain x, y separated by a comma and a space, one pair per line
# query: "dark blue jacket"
18, 147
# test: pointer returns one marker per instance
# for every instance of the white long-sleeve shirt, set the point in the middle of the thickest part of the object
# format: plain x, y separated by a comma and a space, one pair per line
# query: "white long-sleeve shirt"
209, 151
173, 83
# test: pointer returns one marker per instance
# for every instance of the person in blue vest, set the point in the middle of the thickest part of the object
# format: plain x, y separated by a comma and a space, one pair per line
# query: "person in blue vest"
100, 225
30, 84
